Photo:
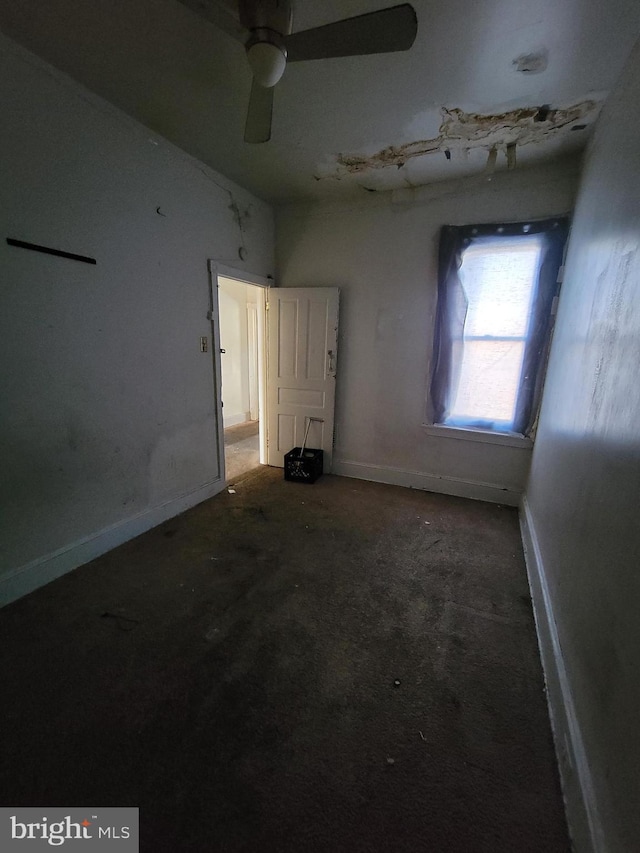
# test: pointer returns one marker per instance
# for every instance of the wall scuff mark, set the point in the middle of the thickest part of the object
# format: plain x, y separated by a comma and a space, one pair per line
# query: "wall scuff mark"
461, 131
532, 63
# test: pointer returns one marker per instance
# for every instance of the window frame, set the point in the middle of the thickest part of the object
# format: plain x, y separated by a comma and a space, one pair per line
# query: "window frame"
454, 241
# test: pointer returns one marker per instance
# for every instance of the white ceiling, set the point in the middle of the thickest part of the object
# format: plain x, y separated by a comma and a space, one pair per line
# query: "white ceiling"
188, 81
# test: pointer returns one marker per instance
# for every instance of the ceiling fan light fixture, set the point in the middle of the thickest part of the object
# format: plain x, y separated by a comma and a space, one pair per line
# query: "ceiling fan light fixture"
267, 63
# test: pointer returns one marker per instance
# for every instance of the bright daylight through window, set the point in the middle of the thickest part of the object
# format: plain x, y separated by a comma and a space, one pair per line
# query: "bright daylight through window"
496, 292
499, 283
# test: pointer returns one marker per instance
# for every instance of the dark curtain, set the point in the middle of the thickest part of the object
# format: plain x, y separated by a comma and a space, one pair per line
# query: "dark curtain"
541, 323
451, 313
452, 309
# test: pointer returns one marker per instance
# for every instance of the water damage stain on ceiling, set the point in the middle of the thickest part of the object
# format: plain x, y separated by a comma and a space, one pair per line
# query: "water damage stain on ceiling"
461, 131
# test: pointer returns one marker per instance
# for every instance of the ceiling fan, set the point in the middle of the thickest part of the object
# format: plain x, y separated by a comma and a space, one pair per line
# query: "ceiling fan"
264, 27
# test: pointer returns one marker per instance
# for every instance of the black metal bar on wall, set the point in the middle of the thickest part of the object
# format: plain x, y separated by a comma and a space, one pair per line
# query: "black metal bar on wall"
47, 251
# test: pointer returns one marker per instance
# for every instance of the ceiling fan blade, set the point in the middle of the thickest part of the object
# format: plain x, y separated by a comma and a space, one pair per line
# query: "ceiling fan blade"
384, 31
216, 12
258, 126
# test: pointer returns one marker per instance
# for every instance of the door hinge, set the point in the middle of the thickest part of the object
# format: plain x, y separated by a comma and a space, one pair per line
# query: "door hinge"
266, 306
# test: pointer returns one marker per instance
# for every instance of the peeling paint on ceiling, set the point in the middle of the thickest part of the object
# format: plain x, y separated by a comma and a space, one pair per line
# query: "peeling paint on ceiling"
461, 131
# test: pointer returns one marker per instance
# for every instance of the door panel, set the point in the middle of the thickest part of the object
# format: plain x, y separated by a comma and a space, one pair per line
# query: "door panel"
303, 335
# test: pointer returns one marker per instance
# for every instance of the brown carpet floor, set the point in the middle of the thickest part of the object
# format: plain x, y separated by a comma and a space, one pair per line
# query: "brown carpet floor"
338, 667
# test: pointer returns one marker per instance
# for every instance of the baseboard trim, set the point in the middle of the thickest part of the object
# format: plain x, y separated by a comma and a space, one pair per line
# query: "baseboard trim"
428, 482
234, 420
45, 569
585, 826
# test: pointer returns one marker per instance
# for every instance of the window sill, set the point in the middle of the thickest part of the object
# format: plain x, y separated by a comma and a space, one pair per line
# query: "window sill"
507, 439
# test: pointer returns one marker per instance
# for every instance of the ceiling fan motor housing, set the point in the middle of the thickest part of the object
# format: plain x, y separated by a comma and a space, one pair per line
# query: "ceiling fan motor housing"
275, 15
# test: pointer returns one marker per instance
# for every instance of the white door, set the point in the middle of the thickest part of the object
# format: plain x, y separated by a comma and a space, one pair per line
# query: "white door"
303, 341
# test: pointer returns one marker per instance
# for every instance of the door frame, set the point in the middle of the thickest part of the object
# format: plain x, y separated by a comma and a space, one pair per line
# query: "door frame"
216, 271
253, 347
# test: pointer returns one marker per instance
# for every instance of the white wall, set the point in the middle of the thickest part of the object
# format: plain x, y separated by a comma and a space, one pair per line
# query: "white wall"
109, 407
233, 297
583, 496
382, 253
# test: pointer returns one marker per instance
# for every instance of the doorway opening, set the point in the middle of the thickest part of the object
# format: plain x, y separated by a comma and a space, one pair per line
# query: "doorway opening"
241, 307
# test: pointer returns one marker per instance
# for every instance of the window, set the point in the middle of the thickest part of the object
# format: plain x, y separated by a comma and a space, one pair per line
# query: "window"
496, 290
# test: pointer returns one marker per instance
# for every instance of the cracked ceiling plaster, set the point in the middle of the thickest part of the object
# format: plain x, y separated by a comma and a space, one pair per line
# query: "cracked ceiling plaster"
461, 132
